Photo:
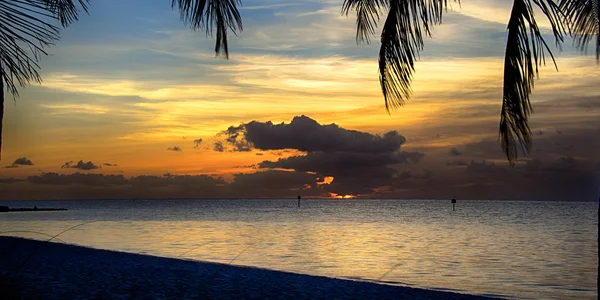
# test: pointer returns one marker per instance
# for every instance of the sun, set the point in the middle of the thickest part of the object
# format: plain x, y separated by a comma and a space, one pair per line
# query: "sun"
333, 195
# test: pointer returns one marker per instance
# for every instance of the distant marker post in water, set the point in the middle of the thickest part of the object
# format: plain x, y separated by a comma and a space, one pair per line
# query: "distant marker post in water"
453, 203
299, 200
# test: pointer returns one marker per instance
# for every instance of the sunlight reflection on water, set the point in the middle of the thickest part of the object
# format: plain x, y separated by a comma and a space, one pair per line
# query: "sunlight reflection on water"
516, 249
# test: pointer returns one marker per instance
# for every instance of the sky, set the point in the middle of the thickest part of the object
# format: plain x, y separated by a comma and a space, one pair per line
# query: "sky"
134, 104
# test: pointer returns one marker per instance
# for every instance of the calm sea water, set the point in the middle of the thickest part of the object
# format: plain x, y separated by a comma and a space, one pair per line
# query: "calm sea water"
524, 250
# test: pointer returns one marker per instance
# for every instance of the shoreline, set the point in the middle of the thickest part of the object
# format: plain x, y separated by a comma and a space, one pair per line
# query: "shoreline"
32, 209
64, 271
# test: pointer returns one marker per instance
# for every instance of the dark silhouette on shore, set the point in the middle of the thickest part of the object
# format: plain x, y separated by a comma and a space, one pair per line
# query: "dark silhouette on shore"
35, 208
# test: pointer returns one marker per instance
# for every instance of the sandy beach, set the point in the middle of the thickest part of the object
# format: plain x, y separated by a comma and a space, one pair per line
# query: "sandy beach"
61, 271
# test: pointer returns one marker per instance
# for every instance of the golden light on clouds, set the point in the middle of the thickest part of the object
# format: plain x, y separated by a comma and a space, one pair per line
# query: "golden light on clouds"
335, 89
326, 180
336, 196
76, 109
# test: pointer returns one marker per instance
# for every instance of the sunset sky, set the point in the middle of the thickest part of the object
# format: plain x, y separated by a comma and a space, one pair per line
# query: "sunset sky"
129, 91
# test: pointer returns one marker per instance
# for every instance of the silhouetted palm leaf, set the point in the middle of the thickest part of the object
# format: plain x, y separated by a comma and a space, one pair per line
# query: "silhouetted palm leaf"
67, 11
584, 22
368, 13
26, 29
209, 14
402, 40
525, 48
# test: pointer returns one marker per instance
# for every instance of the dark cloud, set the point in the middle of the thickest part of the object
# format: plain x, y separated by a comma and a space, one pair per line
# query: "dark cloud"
482, 167
533, 164
563, 164
100, 186
560, 167
273, 180
77, 178
531, 179
109, 165
10, 180
306, 134
454, 152
586, 102
269, 183
403, 175
358, 161
197, 143
187, 183
456, 163
120, 180
426, 174
574, 143
219, 147
234, 138
338, 163
174, 148
85, 166
22, 161
259, 153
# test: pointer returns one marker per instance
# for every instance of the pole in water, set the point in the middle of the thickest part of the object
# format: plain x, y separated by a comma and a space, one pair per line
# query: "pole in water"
453, 203
299, 200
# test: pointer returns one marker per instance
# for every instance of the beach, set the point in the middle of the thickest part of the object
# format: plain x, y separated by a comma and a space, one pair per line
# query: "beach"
47, 270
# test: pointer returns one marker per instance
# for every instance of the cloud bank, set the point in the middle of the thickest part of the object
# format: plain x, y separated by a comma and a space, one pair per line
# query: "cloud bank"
84, 166
358, 161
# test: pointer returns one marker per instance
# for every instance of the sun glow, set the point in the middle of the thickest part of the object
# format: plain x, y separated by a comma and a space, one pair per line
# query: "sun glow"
326, 180
336, 196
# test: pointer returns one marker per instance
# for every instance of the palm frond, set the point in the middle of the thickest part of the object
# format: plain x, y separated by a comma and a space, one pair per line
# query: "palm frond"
525, 51
556, 16
25, 32
401, 42
368, 13
584, 23
207, 15
67, 11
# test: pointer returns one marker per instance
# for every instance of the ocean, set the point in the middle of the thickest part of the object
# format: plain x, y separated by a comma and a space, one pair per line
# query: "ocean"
513, 249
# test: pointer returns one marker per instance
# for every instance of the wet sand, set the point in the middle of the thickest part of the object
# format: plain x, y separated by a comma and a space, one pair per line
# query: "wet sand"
61, 271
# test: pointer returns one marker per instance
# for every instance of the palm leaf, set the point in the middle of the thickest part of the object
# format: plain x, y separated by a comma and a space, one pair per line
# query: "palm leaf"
584, 23
210, 14
525, 51
67, 11
401, 42
26, 29
401, 38
368, 13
